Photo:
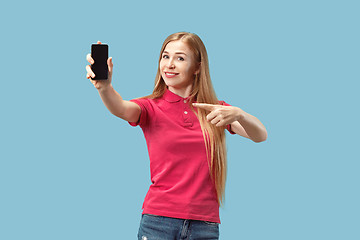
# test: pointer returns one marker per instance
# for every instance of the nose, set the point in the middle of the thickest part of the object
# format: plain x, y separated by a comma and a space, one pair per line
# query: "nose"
171, 64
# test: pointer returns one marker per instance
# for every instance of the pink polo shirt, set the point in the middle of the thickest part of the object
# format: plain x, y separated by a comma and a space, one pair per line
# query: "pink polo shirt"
181, 185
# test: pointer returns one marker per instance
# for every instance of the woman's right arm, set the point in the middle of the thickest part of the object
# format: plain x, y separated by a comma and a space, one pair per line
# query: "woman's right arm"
129, 111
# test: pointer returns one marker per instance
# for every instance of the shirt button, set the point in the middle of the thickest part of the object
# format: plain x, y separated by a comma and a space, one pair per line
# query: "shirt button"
184, 101
186, 112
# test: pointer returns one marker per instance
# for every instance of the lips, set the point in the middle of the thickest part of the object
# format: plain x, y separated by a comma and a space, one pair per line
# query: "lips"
171, 74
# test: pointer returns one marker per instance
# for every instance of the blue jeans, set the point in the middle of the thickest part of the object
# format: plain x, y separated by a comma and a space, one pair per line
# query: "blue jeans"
164, 228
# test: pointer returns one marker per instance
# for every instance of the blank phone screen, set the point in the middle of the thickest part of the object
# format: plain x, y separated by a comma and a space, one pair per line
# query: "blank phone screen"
99, 52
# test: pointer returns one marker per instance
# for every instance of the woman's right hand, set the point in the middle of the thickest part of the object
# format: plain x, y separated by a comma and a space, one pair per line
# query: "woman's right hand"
99, 84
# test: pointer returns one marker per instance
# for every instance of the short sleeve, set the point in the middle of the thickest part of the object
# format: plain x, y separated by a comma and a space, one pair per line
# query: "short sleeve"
143, 119
228, 127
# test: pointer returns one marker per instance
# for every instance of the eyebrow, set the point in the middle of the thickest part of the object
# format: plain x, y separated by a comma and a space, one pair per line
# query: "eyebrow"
176, 53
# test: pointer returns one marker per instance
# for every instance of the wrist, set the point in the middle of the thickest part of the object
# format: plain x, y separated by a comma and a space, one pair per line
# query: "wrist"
105, 88
240, 114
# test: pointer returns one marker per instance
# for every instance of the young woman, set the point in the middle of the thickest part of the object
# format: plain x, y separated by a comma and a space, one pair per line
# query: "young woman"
183, 123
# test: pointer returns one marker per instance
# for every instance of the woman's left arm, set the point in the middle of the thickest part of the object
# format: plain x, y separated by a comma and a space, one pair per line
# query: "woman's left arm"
249, 126
242, 123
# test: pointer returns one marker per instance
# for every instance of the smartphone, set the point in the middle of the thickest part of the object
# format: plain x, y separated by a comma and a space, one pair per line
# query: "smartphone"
100, 52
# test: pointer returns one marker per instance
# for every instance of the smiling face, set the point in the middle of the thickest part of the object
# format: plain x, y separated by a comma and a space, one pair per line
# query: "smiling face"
178, 67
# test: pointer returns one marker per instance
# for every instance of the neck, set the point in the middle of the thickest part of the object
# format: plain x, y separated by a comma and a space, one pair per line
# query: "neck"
182, 92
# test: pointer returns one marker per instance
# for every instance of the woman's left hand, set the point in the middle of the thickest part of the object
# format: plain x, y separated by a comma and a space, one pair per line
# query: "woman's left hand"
221, 115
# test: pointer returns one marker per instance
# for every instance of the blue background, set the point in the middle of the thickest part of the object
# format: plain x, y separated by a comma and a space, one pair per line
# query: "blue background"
71, 170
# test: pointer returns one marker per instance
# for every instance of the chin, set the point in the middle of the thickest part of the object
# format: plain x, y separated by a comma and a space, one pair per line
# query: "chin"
168, 84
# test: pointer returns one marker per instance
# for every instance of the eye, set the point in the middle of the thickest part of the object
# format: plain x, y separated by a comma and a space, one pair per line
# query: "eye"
165, 56
181, 59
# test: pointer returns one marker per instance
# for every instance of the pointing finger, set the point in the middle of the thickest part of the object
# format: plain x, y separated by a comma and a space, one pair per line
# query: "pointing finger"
205, 106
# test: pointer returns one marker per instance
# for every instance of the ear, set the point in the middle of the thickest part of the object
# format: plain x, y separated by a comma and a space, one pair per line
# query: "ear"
197, 71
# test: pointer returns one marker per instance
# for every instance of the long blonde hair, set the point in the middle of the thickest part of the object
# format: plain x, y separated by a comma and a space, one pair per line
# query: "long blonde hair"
202, 92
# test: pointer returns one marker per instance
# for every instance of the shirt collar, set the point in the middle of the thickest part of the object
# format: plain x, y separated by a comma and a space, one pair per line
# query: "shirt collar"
171, 97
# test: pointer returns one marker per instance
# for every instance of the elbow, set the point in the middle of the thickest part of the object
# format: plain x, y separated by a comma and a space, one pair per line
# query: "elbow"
261, 138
